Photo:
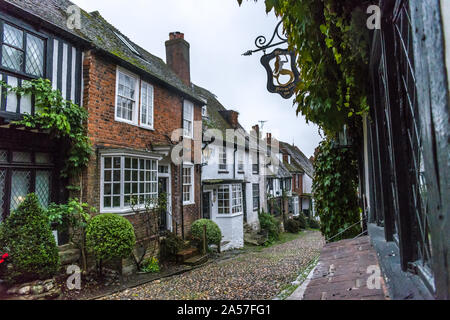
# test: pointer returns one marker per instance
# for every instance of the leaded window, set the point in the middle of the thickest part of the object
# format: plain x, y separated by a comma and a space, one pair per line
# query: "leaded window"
22, 51
21, 173
128, 182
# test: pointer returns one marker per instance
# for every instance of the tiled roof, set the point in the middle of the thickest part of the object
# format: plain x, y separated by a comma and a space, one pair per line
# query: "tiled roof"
297, 156
101, 35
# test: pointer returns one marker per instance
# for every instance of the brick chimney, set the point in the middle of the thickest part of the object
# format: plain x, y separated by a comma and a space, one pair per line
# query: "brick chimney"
231, 117
177, 56
269, 138
256, 129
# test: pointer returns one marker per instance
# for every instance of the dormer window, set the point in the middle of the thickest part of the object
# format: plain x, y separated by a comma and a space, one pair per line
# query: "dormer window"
204, 111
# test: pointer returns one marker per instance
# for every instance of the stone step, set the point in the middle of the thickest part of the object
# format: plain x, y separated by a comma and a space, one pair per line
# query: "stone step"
196, 260
185, 254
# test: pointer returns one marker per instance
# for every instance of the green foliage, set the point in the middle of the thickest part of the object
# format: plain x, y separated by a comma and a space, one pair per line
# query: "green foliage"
292, 226
313, 224
332, 44
170, 246
335, 190
150, 265
213, 233
271, 225
109, 237
72, 214
63, 119
301, 220
27, 238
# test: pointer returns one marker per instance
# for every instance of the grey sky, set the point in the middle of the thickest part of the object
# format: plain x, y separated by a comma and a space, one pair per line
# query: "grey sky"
219, 31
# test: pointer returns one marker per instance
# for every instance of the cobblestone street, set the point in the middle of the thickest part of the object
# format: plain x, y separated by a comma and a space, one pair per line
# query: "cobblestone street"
254, 275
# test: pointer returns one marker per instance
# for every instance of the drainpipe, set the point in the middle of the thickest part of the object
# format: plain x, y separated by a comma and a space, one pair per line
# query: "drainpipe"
181, 173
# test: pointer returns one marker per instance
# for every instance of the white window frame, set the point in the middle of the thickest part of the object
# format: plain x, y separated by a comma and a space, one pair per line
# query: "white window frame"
150, 121
223, 166
235, 197
186, 131
204, 111
191, 201
241, 161
135, 112
123, 209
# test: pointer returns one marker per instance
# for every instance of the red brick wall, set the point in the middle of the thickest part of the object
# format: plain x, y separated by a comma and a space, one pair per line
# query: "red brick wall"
99, 98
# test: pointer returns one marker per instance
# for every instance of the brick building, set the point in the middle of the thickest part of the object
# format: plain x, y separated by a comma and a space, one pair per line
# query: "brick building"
139, 107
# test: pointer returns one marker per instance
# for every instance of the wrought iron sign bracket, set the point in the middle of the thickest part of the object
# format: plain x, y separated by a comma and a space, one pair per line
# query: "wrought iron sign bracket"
282, 75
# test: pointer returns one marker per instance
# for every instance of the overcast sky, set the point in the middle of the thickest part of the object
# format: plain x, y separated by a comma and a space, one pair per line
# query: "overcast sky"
219, 31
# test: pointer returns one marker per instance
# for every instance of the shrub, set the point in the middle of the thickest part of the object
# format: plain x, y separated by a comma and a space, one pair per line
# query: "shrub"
109, 237
301, 219
271, 225
313, 224
292, 226
27, 238
150, 265
213, 233
170, 246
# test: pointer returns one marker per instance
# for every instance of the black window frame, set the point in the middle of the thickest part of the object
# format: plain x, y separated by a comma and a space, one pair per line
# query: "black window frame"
26, 30
33, 167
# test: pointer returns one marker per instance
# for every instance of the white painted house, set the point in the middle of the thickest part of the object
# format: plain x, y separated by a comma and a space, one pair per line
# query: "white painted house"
232, 192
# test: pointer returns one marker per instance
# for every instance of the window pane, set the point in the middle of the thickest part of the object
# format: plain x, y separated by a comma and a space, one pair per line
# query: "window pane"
43, 158
12, 36
20, 187
107, 202
3, 156
43, 183
107, 189
12, 58
35, 56
24, 157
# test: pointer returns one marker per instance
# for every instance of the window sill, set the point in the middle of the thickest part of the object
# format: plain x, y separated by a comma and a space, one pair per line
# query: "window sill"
147, 128
228, 215
223, 172
241, 172
188, 203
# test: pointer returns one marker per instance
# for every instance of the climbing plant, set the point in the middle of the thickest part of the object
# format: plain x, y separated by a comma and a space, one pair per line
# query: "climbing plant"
331, 41
335, 191
62, 119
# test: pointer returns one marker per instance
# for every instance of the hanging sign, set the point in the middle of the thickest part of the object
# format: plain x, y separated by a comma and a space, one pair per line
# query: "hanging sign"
282, 72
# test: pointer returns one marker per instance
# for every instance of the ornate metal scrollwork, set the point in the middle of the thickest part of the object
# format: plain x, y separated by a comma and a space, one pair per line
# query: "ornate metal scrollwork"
261, 41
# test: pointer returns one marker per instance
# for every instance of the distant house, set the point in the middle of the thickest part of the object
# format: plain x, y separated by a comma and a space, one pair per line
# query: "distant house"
302, 171
232, 191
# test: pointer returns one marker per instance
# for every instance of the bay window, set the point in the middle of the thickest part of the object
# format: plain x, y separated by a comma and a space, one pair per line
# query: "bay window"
188, 184
128, 181
230, 199
126, 96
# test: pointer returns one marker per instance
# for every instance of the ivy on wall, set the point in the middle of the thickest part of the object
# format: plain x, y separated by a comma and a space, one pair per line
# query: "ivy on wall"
62, 119
331, 41
335, 191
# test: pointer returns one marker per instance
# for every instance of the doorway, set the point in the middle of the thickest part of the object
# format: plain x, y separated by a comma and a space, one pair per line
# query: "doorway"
207, 205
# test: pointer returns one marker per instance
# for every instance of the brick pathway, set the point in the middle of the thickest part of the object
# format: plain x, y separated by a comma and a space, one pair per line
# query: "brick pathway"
341, 273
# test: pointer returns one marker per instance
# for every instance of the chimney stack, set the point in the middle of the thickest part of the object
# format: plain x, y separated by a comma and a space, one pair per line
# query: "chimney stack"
269, 138
231, 116
177, 56
256, 129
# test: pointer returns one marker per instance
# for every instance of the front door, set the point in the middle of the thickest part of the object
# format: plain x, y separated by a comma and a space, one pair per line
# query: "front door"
207, 205
163, 189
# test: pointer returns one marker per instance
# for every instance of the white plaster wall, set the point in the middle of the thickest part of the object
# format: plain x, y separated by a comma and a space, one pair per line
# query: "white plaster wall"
445, 12
307, 184
232, 230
